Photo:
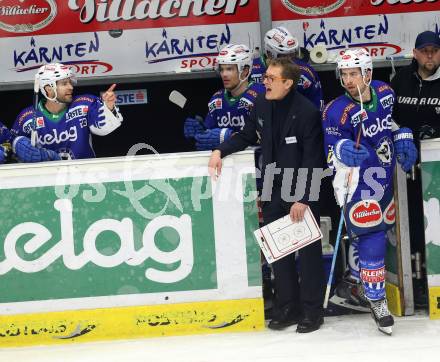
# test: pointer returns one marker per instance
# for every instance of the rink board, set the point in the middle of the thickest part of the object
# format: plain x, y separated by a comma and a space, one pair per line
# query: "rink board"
132, 322
128, 247
430, 155
394, 299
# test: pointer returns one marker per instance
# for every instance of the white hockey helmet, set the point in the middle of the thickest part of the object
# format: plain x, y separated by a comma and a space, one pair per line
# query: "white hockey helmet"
279, 41
236, 54
49, 74
356, 58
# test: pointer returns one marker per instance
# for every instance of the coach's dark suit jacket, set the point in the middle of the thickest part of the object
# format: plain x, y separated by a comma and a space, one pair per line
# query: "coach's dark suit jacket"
300, 145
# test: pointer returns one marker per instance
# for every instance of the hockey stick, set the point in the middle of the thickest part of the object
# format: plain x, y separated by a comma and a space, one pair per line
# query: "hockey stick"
341, 218
34, 134
180, 100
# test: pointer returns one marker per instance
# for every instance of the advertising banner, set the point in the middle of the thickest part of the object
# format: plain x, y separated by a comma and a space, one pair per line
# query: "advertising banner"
387, 28
49, 17
117, 37
301, 9
121, 233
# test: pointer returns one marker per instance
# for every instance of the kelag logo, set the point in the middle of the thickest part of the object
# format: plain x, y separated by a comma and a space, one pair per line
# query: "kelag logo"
90, 234
26, 16
193, 51
313, 7
80, 55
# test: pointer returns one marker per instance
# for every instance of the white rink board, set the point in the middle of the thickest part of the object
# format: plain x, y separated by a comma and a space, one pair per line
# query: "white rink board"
142, 51
383, 35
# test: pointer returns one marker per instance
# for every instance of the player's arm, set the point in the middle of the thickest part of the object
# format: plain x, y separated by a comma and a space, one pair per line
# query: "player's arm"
103, 115
340, 141
212, 136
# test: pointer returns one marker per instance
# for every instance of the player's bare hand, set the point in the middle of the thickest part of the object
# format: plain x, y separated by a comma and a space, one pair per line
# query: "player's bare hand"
215, 164
109, 97
297, 211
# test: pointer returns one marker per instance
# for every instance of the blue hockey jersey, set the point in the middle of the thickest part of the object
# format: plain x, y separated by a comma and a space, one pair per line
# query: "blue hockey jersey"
225, 111
344, 118
308, 84
68, 132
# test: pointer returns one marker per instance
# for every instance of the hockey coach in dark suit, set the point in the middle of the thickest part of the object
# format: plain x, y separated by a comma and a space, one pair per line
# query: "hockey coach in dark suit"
288, 127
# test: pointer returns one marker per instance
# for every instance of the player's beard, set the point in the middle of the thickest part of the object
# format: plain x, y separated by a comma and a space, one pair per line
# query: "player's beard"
65, 99
354, 93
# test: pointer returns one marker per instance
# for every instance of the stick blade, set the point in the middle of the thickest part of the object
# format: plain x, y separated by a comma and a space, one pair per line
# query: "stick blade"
177, 98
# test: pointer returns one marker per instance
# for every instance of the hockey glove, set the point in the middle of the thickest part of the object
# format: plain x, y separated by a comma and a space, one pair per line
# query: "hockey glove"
193, 126
27, 153
347, 153
405, 148
211, 138
3, 154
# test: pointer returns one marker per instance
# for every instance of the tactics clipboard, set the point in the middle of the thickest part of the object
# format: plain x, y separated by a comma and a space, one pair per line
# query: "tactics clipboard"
283, 237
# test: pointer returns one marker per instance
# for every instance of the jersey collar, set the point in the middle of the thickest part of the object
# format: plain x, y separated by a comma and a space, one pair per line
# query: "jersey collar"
371, 105
232, 100
53, 117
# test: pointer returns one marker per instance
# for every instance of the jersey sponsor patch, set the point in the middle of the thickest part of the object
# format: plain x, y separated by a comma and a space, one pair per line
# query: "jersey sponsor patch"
359, 117
345, 113
383, 88
389, 215
27, 126
373, 275
245, 103
39, 122
366, 214
229, 120
387, 101
215, 104
76, 112
384, 151
333, 131
375, 128
83, 99
70, 134
304, 82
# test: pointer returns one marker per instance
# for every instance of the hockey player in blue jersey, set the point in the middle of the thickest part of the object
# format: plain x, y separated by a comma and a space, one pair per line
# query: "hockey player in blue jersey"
278, 42
63, 124
362, 139
229, 107
5, 143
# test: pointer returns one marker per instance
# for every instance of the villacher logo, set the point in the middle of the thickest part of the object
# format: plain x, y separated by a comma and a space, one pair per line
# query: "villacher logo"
26, 16
314, 8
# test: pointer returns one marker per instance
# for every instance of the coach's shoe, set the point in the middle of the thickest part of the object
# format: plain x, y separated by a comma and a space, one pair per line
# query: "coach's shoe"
284, 317
310, 323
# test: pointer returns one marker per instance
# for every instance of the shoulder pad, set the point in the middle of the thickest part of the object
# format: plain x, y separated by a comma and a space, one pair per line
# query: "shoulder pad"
25, 114
307, 71
381, 87
340, 107
257, 89
84, 98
